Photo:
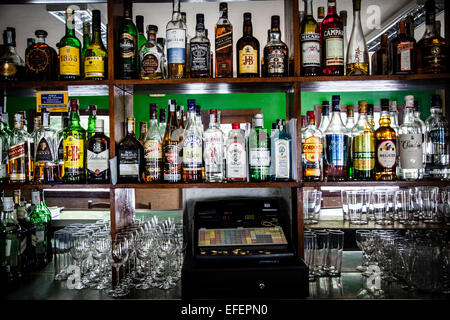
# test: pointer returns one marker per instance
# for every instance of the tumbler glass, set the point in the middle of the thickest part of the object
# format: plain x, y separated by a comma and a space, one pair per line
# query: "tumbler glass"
429, 199
335, 248
310, 246
320, 261
380, 204
344, 201
311, 206
355, 206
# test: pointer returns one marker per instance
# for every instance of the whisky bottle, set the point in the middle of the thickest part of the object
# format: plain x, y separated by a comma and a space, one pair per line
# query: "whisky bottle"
91, 121
97, 162
310, 44
142, 131
86, 38
403, 52
276, 52
224, 44
176, 43
12, 67
40, 59
192, 147
259, 150
386, 146
357, 61
96, 56
432, 49
130, 156
4, 147
70, 50
172, 146
128, 44
247, 51
151, 56
74, 147
200, 51
153, 149
312, 150
19, 152
213, 150
236, 155
45, 153
380, 59
363, 147
332, 34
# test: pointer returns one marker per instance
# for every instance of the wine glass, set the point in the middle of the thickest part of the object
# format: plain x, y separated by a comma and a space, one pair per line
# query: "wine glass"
360, 242
102, 245
120, 253
79, 252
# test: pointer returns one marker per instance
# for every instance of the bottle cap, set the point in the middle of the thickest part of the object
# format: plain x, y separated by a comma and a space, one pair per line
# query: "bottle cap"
275, 22
152, 27
247, 16
310, 115
74, 104
436, 101
409, 101
8, 204
258, 120
223, 6
236, 126
349, 111
191, 104
96, 18
40, 33
140, 22
213, 111
153, 111
325, 108
198, 110
384, 102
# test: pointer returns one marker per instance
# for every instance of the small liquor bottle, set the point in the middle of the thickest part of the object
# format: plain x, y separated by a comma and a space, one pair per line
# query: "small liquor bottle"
200, 51
236, 155
142, 131
60, 135
151, 56
312, 150
310, 44
74, 148
213, 151
192, 147
432, 49
45, 153
336, 145
325, 118
393, 115
176, 43
172, 147
332, 34
70, 51
40, 59
386, 146
130, 156
363, 147
403, 52
320, 17
98, 155
247, 51
19, 152
259, 150
96, 56
380, 59
91, 121
224, 44
12, 67
276, 53
128, 44
357, 61
153, 149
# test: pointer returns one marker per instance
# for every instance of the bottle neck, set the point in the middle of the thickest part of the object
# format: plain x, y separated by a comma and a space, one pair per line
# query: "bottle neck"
248, 29
151, 36
96, 35
74, 118
385, 120
40, 40
176, 10
70, 24
331, 8
192, 119
409, 115
308, 8
130, 128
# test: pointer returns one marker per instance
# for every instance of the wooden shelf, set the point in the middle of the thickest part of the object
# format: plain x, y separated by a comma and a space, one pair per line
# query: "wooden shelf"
55, 186
341, 224
438, 183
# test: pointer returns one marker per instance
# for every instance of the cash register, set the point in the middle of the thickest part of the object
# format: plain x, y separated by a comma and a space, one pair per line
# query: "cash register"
242, 248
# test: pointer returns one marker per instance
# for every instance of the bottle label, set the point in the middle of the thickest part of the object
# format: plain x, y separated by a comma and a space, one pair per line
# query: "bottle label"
127, 45
236, 161
176, 46
150, 64
404, 50
387, 154
439, 135
200, 55
282, 159
43, 152
336, 149
434, 57
37, 60
73, 153
275, 62
40, 236
223, 41
192, 153
17, 151
94, 67
310, 43
334, 47
248, 60
312, 149
8, 69
364, 152
69, 61
259, 157
97, 162
213, 151
172, 165
411, 153
129, 163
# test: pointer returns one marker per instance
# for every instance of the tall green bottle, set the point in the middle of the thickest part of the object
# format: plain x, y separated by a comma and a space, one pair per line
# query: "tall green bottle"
70, 51
128, 44
91, 121
38, 219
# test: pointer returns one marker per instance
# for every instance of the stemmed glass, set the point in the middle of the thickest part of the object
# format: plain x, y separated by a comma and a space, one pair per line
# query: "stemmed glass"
360, 242
144, 251
102, 246
120, 252
166, 249
79, 252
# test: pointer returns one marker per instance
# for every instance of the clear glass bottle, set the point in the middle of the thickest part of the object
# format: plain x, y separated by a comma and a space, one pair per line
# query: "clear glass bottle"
96, 57
393, 115
343, 15
410, 145
236, 155
172, 147
153, 148
162, 121
19, 152
325, 118
151, 56
357, 61
213, 151
12, 66
224, 44
259, 150
198, 118
192, 147
310, 64
312, 150
281, 150
176, 43
350, 122
200, 51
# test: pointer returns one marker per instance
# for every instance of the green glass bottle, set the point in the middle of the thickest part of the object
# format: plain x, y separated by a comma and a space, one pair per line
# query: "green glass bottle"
70, 51
140, 28
259, 150
38, 219
48, 229
86, 38
74, 144
91, 121
96, 56
128, 45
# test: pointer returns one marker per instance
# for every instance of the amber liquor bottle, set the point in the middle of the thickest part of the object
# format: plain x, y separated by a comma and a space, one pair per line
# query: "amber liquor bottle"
247, 51
40, 59
386, 146
380, 59
332, 34
224, 44
403, 52
276, 53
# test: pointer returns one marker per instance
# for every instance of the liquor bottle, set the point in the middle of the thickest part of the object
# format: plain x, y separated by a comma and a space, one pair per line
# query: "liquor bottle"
153, 149
162, 121
247, 51
91, 121
312, 150
236, 155
48, 220
38, 219
33, 135
332, 34
410, 145
86, 38
393, 115
320, 17
380, 59
70, 51
187, 67
4, 147
128, 44
336, 145
30, 42
403, 52
172, 147
40, 59
199, 50
343, 15
12, 67
74, 147
409, 24
19, 152
357, 61
130, 156
325, 118
363, 147
162, 44
276, 52
259, 150
223, 31
96, 56
432, 49
310, 44
350, 122
437, 142
213, 150
423, 128
281, 150
198, 119
97, 162
140, 29
192, 147
180, 117
176, 43
151, 56
45, 153
386, 146
370, 116
25, 234
60, 135
142, 131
